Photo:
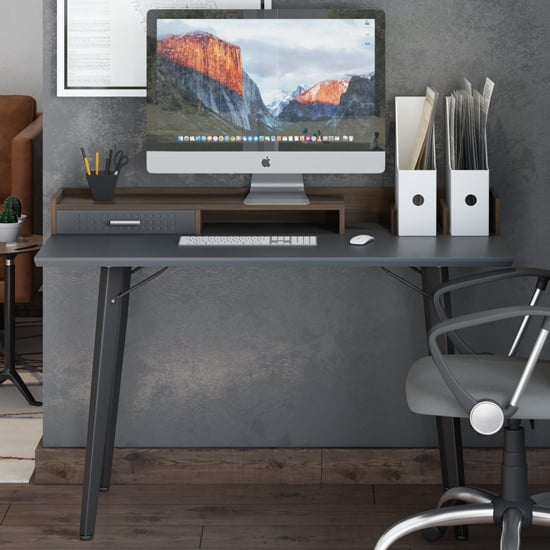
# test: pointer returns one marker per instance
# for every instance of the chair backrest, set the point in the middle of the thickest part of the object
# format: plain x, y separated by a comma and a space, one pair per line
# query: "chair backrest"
16, 113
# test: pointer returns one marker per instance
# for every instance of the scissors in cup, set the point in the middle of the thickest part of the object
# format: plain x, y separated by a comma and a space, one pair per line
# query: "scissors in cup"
120, 161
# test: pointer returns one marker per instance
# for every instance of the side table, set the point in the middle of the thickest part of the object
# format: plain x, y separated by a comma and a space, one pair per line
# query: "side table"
24, 245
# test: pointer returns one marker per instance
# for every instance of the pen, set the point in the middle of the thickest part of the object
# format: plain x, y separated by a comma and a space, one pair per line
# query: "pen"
97, 163
86, 163
108, 162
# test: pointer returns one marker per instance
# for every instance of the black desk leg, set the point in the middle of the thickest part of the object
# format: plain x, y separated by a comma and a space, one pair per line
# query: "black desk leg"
448, 429
102, 417
9, 372
450, 448
113, 412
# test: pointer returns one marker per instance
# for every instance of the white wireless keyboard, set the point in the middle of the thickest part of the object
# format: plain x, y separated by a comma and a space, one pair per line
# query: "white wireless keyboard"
248, 240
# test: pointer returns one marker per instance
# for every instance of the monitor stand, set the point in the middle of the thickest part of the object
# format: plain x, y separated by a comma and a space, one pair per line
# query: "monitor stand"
266, 189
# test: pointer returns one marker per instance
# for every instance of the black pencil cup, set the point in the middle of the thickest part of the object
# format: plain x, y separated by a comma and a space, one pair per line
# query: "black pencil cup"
102, 187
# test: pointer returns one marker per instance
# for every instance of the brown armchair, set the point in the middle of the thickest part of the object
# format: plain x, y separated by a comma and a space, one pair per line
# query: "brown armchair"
21, 175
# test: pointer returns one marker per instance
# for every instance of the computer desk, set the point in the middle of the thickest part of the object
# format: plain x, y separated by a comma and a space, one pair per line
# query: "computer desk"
119, 255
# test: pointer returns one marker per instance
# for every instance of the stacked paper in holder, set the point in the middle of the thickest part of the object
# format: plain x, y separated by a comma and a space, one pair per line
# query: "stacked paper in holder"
415, 189
467, 160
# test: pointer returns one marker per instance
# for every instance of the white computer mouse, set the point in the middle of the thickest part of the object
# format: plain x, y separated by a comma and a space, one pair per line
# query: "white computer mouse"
361, 239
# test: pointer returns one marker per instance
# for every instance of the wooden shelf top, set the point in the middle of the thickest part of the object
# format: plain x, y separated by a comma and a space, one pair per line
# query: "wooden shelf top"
182, 198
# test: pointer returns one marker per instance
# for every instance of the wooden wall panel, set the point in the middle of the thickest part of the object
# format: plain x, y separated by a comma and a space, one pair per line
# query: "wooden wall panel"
282, 466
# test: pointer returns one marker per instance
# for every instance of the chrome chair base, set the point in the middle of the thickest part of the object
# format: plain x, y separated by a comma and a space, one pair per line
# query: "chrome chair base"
479, 509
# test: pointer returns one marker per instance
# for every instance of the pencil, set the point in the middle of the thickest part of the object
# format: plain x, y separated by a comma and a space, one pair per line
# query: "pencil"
97, 163
86, 163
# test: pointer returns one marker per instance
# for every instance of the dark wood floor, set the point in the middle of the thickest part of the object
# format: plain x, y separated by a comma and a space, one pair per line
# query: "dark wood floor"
228, 517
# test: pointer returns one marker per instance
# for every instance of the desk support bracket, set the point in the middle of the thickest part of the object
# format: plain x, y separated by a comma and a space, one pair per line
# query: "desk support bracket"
137, 285
406, 282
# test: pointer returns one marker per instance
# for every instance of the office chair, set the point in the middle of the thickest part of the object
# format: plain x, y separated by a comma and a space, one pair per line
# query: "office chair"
495, 393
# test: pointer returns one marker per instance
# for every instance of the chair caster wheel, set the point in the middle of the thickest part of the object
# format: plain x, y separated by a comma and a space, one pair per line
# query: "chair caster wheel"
431, 534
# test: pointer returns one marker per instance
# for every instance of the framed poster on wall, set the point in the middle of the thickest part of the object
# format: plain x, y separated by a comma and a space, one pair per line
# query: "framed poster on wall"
101, 44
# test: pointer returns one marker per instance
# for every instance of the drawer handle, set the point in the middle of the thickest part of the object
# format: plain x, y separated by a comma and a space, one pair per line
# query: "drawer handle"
124, 222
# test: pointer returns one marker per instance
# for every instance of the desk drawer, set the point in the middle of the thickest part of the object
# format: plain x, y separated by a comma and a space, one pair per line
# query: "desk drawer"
125, 221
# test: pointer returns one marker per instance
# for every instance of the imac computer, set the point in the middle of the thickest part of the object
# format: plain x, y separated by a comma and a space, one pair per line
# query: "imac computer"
271, 93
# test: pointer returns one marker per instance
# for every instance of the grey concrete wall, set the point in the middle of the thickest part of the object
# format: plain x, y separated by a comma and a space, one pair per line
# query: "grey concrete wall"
294, 357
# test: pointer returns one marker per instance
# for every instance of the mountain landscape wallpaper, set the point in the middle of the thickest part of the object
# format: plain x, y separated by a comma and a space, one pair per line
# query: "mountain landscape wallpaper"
266, 77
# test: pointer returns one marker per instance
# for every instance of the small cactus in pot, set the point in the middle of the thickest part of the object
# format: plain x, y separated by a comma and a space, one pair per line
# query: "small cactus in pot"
11, 220
12, 203
8, 216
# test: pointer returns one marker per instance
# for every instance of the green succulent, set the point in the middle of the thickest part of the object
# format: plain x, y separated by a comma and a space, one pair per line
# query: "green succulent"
8, 216
12, 203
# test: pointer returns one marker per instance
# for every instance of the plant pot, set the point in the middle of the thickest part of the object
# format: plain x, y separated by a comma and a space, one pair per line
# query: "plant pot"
10, 231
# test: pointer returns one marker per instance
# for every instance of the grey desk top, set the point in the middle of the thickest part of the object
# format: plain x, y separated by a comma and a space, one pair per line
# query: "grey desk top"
332, 250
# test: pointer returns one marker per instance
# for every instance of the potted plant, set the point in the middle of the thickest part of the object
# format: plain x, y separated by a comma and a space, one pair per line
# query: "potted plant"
11, 219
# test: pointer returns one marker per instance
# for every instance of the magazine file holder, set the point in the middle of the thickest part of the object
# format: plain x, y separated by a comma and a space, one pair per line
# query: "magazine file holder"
415, 190
467, 198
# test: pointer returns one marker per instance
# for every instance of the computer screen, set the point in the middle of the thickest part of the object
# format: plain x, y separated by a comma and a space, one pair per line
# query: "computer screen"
271, 93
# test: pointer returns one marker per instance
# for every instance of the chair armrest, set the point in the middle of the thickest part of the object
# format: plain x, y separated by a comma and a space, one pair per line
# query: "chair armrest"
471, 320
482, 278
33, 130
487, 277
22, 156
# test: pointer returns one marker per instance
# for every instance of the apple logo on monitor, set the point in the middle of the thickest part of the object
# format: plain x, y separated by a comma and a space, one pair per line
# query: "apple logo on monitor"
266, 162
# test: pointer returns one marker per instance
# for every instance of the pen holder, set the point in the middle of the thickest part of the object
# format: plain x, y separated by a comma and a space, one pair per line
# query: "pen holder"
102, 187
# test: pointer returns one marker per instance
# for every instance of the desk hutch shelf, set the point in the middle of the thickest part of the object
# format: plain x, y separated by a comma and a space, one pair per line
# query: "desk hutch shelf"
190, 210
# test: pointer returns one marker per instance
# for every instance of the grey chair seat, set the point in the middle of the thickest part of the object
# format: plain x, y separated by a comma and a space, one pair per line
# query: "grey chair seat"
484, 377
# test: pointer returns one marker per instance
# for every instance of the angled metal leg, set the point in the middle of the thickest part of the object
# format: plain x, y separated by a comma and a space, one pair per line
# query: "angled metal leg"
100, 422
541, 516
469, 513
450, 450
448, 429
510, 537
467, 494
113, 412
9, 372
